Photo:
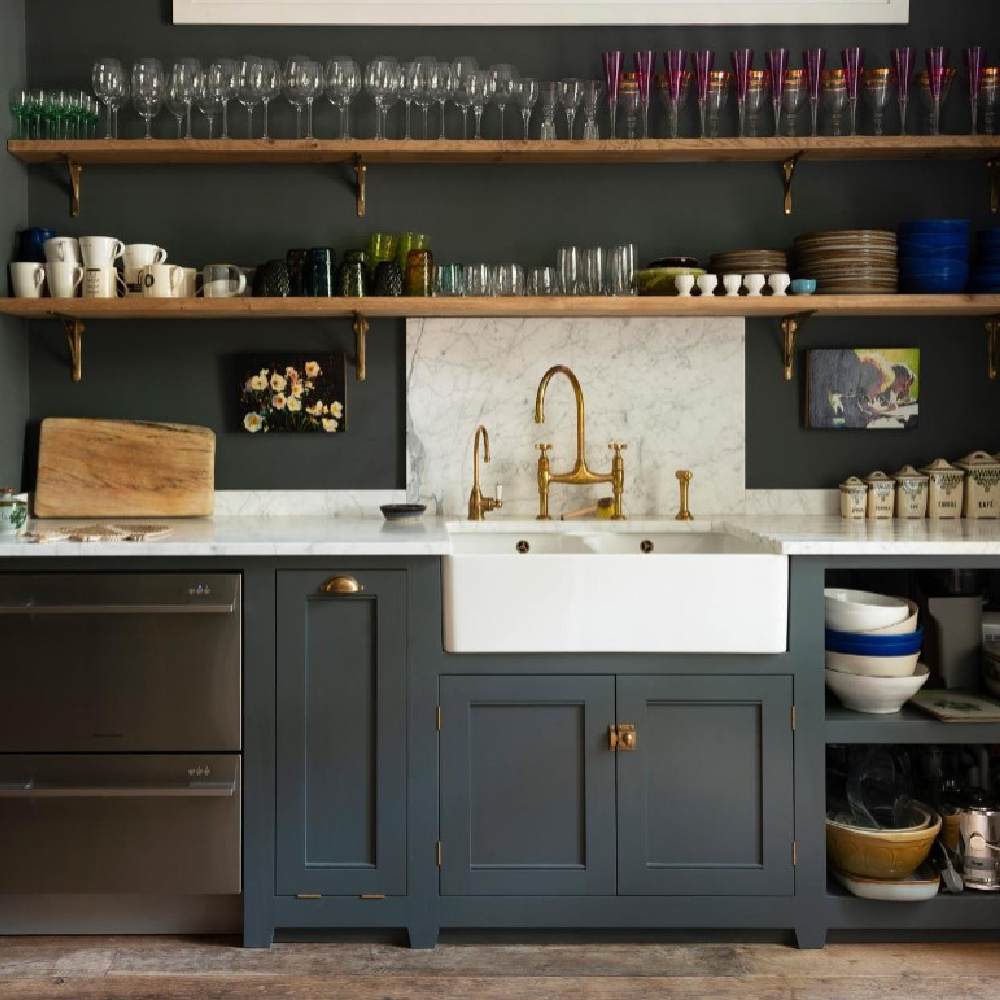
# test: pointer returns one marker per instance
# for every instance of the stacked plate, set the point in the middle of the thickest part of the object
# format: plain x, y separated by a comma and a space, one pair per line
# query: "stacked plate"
749, 262
848, 261
986, 274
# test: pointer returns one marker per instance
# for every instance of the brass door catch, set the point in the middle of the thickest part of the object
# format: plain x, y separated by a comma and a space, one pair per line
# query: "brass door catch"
621, 736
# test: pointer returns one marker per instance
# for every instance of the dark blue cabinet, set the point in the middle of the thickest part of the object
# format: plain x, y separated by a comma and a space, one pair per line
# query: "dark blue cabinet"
341, 734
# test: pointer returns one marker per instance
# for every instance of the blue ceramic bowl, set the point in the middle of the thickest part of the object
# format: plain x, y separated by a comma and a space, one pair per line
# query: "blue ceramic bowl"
935, 226
803, 286
932, 284
959, 252
873, 644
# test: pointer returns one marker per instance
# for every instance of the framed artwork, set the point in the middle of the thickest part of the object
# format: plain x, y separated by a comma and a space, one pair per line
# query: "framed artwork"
292, 393
539, 12
862, 388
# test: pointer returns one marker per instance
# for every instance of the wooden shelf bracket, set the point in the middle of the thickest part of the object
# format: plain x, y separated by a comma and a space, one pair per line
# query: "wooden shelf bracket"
361, 327
993, 346
788, 175
75, 170
74, 341
360, 182
993, 166
790, 328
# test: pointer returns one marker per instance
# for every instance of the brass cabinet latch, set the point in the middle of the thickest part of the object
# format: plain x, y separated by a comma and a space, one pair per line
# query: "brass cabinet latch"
621, 736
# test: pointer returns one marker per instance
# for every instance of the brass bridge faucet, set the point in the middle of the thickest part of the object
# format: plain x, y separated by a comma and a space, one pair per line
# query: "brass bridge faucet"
580, 474
478, 504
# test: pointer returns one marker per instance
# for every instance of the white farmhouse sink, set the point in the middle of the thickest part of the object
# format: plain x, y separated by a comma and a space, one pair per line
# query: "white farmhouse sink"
512, 588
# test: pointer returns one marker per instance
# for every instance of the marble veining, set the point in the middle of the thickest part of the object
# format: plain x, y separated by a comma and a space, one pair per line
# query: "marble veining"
792, 502
304, 503
672, 389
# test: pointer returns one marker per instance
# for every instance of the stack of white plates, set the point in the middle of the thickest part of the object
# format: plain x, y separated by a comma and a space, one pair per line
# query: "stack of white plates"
848, 261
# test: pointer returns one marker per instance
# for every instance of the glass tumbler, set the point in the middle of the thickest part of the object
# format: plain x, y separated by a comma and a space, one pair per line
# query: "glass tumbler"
477, 280
381, 247
621, 269
418, 278
542, 281
593, 271
449, 280
408, 242
569, 261
507, 279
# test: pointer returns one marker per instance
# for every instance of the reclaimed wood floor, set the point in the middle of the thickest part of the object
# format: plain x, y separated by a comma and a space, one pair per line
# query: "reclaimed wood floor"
102, 968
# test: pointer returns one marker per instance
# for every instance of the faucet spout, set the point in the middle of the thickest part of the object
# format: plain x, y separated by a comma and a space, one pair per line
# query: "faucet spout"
478, 504
581, 460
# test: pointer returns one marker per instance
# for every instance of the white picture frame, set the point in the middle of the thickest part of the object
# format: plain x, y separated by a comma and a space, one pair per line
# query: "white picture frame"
540, 12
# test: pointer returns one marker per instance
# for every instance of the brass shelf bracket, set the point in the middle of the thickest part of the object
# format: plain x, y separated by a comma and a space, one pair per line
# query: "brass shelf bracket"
361, 182
790, 328
75, 170
74, 341
993, 167
788, 175
361, 327
993, 346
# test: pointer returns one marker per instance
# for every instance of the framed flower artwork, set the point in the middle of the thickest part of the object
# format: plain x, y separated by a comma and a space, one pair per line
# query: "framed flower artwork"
292, 393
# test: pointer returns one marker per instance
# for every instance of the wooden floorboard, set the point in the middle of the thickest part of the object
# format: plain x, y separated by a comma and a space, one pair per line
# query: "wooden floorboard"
163, 968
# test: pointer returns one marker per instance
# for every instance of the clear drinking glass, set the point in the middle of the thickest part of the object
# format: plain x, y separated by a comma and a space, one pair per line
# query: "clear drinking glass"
149, 82
629, 99
461, 67
408, 86
903, 60
271, 83
223, 74
478, 83
501, 76
211, 98
525, 94
758, 98
931, 108
17, 105
878, 86
250, 86
423, 67
673, 97
176, 106
569, 261
541, 281
592, 91
570, 96
477, 279
186, 78
108, 79
309, 82
975, 62
291, 91
718, 97
449, 280
793, 97
343, 82
548, 97
834, 99
440, 89
506, 279
380, 80
621, 269
594, 259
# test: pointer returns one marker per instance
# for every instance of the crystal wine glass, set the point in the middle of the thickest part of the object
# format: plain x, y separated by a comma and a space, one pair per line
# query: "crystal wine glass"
758, 97
440, 91
343, 82
718, 97
592, 90
902, 63
380, 81
250, 86
835, 98
777, 63
461, 67
878, 86
937, 70
525, 94
645, 66
186, 78
478, 83
309, 82
108, 79
813, 61
548, 97
975, 62
628, 97
612, 62
176, 106
702, 61
221, 75
932, 106
793, 97
501, 76
408, 86
271, 83
423, 67
291, 91
742, 63
570, 96
854, 69
211, 98
149, 82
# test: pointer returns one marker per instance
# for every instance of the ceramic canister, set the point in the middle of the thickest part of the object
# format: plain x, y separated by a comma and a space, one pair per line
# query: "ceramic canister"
982, 485
881, 495
911, 493
853, 498
13, 511
945, 489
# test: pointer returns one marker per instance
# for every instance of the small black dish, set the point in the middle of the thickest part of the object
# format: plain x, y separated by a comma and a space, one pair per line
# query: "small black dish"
674, 262
403, 512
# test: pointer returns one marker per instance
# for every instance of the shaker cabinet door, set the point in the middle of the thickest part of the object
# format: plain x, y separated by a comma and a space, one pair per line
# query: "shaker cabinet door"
341, 735
705, 800
527, 786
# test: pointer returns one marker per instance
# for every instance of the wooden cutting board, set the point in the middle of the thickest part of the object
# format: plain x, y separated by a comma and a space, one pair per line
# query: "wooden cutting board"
124, 468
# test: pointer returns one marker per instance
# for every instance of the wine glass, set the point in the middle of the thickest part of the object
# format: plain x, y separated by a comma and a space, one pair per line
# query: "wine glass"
570, 96
250, 86
674, 86
758, 97
478, 83
742, 63
975, 61
176, 106
408, 86
777, 63
835, 98
381, 81
702, 60
932, 106
525, 94
548, 97
854, 69
424, 75
292, 93
793, 97
108, 79
937, 70
461, 67
271, 83
813, 61
149, 82
902, 62
211, 98
343, 81
309, 83
718, 97
221, 77
612, 62
441, 86
878, 86
501, 76
186, 78
628, 98
592, 90
645, 64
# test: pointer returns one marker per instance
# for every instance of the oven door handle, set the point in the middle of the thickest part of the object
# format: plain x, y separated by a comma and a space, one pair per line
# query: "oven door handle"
205, 789
117, 609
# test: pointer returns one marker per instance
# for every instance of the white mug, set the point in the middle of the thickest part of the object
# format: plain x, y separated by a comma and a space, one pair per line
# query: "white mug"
755, 284
707, 283
223, 281
136, 255
732, 284
102, 283
28, 279
161, 281
190, 283
100, 251
779, 282
62, 250
64, 279
131, 278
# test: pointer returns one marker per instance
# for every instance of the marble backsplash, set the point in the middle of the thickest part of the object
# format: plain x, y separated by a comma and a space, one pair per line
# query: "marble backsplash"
673, 389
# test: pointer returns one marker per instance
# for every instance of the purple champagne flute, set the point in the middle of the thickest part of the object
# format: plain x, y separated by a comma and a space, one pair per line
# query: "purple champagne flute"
742, 61
813, 61
937, 63
645, 63
902, 62
854, 68
612, 62
673, 66
777, 63
975, 57
703, 60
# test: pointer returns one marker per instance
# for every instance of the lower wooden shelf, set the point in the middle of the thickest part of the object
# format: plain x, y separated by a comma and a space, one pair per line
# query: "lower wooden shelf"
908, 726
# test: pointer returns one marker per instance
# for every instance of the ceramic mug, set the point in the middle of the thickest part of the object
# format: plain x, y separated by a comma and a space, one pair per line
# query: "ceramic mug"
64, 278
223, 281
100, 251
191, 282
102, 283
161, 281
136, 255
62, 250
27, 279
31, 244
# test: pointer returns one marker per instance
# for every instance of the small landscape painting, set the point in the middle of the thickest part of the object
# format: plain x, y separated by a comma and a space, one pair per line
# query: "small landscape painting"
862, 388
298, 393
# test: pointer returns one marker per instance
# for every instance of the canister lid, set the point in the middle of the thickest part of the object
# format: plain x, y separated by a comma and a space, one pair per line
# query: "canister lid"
878, 477
849, 485
940, 465
908, 472
978, 460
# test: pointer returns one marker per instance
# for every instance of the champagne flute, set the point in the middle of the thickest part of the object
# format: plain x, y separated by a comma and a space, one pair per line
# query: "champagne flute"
853, 60
501, 76
777, 63
149, 82
271, 83
702, 61
186, 77
813, 61
677, 81
975, 61
937, 65
612, 63
742, 63
525, 94
903, 60
645, 64
343, 82
108, 79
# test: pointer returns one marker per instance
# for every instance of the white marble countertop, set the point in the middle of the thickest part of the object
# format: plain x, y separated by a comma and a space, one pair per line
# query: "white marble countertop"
358, 536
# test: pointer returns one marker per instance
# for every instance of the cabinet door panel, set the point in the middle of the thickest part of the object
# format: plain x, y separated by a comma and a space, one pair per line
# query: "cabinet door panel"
705, 801
341, 736
527, 786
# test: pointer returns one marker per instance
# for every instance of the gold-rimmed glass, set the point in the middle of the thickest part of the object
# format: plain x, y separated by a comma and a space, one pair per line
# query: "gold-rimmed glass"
879, 87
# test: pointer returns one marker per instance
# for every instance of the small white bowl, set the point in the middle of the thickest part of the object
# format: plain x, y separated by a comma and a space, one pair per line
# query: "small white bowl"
875, 695
872, 666
906, 627
860, 610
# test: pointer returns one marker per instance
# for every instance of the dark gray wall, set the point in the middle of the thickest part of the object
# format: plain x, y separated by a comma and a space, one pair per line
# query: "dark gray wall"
13, 216
247, 214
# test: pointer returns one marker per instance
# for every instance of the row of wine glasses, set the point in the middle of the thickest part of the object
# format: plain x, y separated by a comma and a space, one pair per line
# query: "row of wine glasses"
52, 114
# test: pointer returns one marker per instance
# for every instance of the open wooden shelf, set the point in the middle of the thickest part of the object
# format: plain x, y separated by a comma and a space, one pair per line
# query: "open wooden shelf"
908, 726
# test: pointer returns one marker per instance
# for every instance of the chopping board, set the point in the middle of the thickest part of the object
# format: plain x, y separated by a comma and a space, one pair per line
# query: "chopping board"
124, 468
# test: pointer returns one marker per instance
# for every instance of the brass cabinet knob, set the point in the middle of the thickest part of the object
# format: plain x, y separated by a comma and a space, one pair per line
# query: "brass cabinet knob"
341, 585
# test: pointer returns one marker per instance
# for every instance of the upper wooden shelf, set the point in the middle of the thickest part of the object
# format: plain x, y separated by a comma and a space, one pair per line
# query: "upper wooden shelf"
765, 149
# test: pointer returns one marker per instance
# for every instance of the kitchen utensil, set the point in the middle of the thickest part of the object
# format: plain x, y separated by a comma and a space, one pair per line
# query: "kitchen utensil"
124, 468
979, 847
952, 880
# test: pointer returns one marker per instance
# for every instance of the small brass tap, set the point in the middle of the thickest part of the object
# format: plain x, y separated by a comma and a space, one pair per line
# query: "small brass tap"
579, 475
478, 504
684, 477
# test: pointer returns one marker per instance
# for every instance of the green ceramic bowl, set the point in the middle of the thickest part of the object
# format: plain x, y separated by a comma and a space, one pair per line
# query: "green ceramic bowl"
660, 280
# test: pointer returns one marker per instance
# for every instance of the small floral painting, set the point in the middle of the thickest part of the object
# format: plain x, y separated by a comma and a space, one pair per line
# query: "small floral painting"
298, 393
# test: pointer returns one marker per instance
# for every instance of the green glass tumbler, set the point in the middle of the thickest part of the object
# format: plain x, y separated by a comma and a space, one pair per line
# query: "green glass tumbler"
408, 242
418, 278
